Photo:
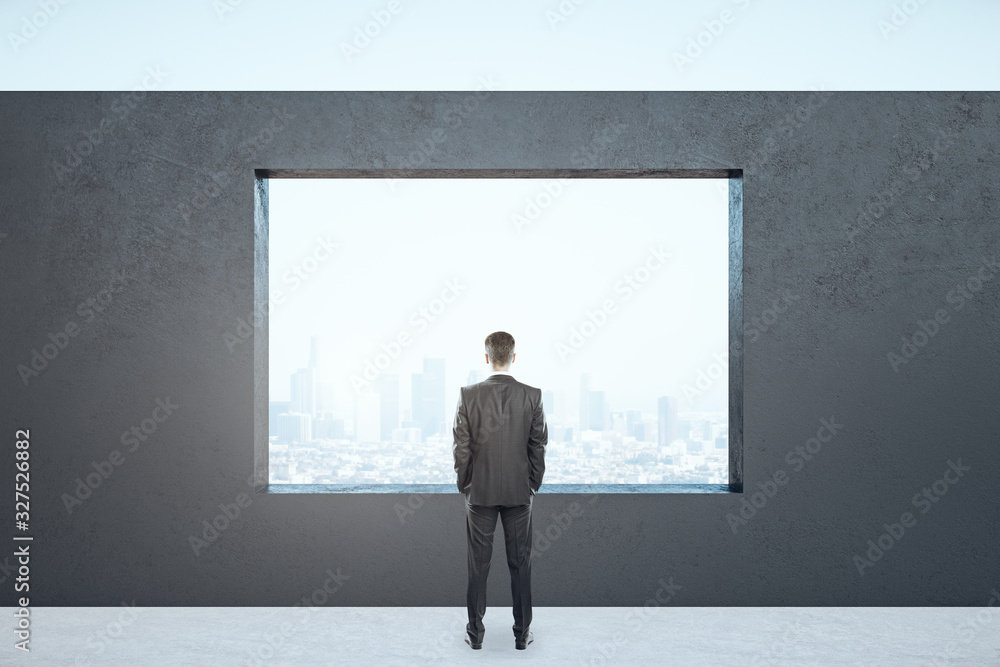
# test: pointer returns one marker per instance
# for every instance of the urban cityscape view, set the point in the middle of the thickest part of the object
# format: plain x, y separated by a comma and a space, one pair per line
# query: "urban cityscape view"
616, 291
592, 439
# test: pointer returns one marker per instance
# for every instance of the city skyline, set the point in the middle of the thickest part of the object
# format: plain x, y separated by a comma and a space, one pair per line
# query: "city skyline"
623, 278
593, 411
381, 440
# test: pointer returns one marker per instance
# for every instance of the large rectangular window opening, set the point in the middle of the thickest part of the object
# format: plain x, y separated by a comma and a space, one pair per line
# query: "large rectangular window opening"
622, 290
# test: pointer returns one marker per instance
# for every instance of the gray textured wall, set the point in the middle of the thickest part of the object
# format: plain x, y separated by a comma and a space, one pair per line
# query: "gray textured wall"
923, 164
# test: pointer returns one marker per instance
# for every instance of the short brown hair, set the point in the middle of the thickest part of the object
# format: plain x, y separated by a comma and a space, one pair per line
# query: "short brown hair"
500, 347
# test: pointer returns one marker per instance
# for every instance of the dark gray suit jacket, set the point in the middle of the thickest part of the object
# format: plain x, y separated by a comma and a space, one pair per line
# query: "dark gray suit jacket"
500, 437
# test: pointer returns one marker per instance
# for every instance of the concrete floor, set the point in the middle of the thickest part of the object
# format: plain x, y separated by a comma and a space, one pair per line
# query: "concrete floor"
375, 636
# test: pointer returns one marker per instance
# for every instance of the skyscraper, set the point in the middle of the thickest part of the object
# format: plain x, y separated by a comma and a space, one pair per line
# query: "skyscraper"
304, 391
428, 398
667, 411
598, 411
274, 409
585, 402
328, 427
705, 430
387, 387
632, 417
548, 404
618, 423
417, 402
304, 382
294, 427
432, 398
638, 431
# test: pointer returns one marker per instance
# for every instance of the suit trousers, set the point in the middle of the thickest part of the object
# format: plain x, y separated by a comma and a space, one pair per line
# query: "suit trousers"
481, 522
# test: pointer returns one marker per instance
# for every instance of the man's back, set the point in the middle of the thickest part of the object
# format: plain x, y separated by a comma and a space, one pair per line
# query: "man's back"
500, 437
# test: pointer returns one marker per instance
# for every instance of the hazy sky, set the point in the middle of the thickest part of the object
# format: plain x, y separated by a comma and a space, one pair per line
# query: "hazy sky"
399, 248
522, 44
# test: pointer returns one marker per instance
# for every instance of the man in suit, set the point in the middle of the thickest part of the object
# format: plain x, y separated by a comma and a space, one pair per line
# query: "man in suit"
500, 437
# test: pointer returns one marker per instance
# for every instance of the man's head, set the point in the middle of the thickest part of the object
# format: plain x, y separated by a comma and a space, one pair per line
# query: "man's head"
500, 350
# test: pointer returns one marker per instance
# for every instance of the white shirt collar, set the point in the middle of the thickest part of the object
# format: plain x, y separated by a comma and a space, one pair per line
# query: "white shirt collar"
500, 373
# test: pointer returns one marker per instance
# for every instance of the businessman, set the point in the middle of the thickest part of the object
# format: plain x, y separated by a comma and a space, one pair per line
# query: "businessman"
500, 437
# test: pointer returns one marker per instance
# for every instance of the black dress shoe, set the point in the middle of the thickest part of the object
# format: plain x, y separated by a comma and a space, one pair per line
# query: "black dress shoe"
521, 644
469, 642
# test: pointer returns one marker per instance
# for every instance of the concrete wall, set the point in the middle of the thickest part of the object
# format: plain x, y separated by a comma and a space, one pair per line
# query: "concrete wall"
122, 225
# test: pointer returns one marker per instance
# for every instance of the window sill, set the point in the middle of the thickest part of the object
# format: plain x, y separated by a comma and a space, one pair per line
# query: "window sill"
583, 489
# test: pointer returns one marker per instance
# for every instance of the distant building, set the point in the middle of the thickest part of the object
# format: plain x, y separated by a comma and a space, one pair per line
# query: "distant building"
705, 430
304, 383
416, 402
560, 433
328, 427
387, 387
275, 408
667, 413
409, 435
632, 417
585, 382
294, 427
428, 398
283, 471
548, 404
598, 411
304, 391
639, 432
618, 423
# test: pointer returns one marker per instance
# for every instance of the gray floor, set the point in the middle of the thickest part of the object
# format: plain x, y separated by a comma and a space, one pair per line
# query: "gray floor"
376, 636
